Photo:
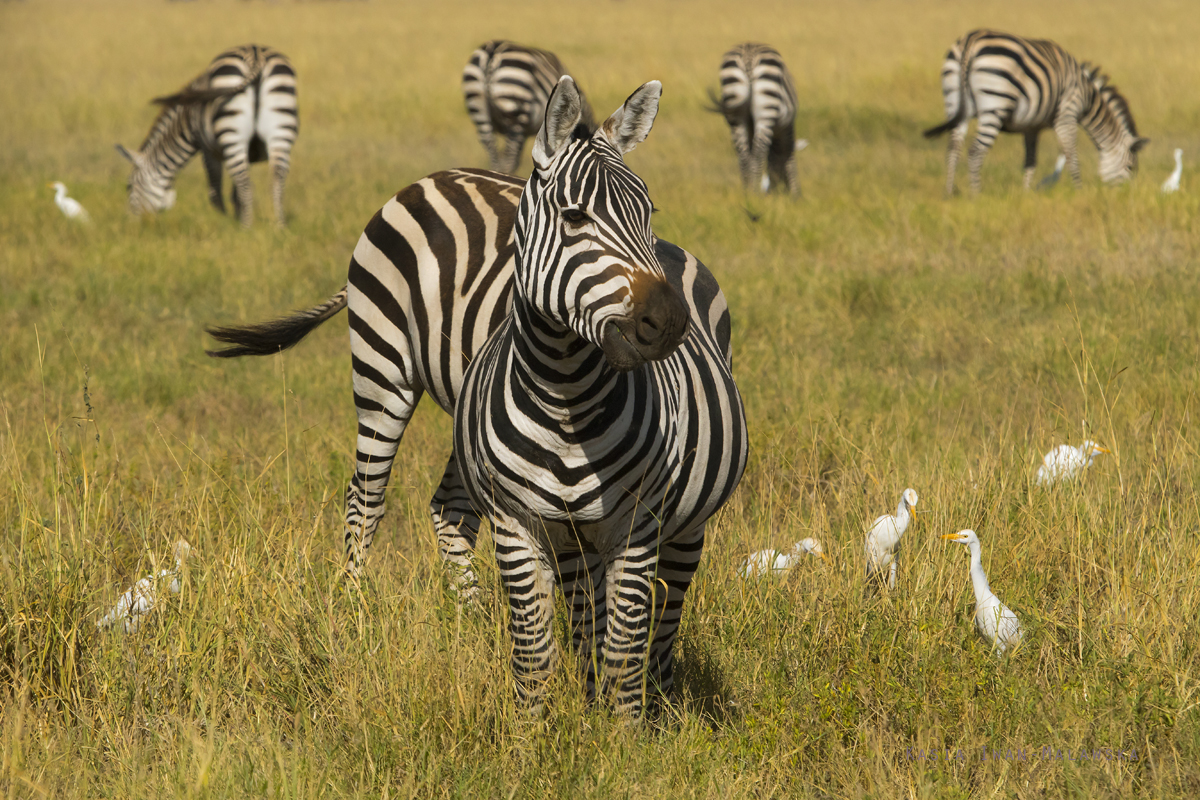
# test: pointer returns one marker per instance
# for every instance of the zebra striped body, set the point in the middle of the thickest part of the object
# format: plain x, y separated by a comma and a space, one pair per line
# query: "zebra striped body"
759, 103
1024, 86
430, 280
506, 87
600, 427
240, 110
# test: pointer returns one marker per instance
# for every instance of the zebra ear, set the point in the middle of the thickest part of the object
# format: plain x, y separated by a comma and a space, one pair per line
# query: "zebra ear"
563, 111
128, 155
631, 123
1138, 144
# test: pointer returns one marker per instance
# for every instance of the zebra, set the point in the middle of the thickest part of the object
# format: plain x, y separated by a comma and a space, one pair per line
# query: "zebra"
430, 279
1019, 85
600, 427
758, 100
240, 110
506, 87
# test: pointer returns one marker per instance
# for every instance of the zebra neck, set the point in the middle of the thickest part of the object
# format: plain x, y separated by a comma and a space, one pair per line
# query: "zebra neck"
565, 374
172, 141
1105, 118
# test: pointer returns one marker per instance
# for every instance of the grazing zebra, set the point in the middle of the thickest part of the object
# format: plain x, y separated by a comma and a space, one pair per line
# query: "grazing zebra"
429, 281
759, 103
599, 427
240, 110
1021, 85
506, 87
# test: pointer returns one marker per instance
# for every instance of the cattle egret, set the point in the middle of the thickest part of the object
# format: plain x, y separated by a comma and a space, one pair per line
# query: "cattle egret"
996, 621
1065, 462
884, 536
776, 562
1053, 177
69, 206
139, 599
1171, 184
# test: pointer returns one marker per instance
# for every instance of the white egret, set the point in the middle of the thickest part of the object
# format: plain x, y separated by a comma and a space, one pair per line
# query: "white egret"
1171, 184
776, 562
1053, 177
1065, 462
996, 621
69, 206
139, 599
884, 536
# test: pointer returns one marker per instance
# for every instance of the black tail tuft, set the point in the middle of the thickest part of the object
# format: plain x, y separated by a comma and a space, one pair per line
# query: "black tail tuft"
267, 338
949, 124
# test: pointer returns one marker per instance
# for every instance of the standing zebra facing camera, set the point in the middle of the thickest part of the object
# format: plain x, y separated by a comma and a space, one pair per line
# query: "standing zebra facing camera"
758, 101
239, 111
600, 427
1018, 85
430, 280
506, 87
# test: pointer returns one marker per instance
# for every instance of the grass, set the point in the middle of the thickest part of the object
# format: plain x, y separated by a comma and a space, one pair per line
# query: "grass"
884, 337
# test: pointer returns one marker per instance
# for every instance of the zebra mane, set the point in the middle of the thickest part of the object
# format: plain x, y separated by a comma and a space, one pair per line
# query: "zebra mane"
1112, 99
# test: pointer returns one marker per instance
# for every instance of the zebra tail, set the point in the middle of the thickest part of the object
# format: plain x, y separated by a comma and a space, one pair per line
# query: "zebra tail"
267, 338
953, 122
961, 112
717, 105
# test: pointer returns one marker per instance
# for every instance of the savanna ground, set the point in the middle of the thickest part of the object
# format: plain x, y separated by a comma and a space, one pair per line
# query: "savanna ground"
884, 337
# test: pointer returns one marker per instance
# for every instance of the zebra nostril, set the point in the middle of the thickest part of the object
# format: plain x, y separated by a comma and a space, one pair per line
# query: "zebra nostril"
648, 331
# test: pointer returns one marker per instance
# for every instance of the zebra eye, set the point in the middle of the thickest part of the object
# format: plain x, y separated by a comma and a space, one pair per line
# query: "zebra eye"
575, 216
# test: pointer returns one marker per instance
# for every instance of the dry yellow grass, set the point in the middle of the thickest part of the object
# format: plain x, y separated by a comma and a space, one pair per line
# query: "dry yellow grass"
884, 337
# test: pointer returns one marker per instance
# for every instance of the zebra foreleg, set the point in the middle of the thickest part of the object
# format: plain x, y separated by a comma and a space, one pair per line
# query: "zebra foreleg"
677, 564
457, 527
529, 583
581, 576
1067, 131
627, 633
1031, 145
212, 168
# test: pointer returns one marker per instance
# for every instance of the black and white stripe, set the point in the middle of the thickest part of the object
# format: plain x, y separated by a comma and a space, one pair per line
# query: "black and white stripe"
1018, 85
506, 87
758, 100
430, 280
240, 110
600, 427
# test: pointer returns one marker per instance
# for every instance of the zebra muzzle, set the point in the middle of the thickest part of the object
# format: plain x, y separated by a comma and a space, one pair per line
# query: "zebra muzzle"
657, 326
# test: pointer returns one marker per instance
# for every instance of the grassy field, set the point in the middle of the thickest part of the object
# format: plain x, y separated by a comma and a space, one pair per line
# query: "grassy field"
884, 337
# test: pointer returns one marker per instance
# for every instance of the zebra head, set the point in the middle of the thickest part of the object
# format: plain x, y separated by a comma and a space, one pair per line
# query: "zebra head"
1110, 124
149, 190
585, 251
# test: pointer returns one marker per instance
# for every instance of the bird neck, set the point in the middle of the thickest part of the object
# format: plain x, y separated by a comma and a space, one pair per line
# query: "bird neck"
60, 193
978, 577
902, 514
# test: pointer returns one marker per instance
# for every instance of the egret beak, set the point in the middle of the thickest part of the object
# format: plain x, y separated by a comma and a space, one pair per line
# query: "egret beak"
952, 537
1100, 449
824, 557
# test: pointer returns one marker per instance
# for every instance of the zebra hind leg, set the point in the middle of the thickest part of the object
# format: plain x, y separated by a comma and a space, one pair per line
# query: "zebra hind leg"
279, 171
383, 414
985, 137
457, 527
958, 136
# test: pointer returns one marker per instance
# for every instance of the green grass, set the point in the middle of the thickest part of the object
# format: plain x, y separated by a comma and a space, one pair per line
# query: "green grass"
884, 337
